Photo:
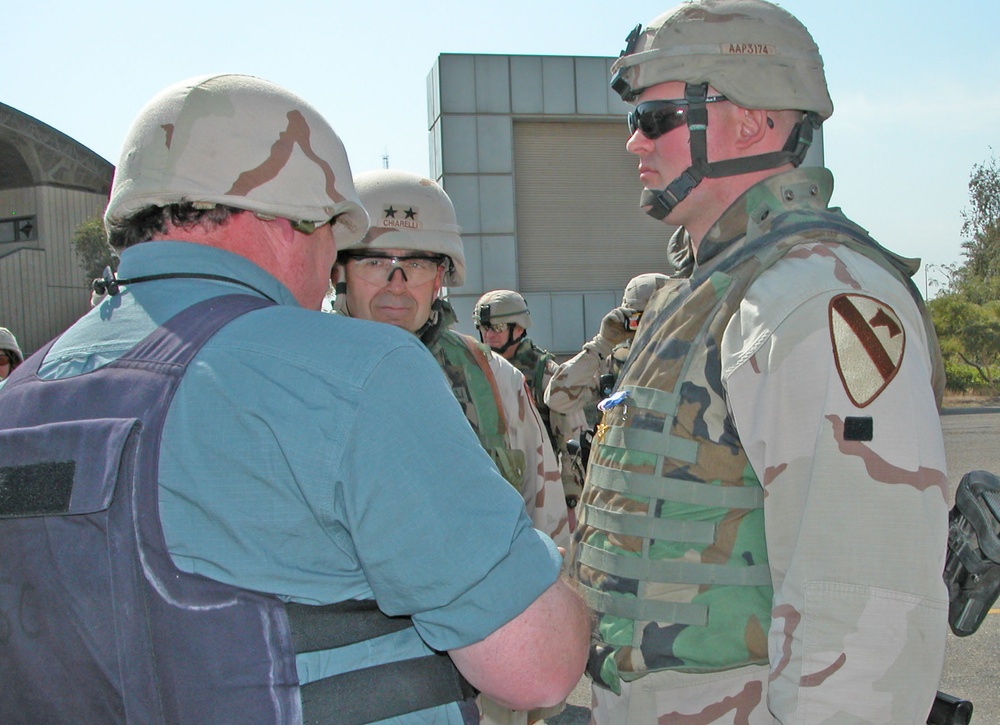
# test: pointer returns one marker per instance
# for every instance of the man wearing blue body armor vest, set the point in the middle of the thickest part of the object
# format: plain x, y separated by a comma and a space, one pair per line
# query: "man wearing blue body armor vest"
763, 526
221, 505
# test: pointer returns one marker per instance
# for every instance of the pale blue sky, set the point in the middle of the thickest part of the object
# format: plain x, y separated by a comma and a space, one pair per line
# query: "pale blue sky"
915, 85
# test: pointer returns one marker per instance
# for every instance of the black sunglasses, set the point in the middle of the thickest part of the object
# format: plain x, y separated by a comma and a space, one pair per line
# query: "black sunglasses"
655, 118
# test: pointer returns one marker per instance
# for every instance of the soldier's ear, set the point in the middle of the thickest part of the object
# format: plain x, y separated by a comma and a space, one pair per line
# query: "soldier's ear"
751, 127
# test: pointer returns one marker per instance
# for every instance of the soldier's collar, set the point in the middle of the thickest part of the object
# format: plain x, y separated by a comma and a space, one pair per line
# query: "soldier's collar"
753, 213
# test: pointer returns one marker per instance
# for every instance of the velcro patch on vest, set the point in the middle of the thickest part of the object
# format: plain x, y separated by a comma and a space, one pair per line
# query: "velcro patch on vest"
36, 489
868, 344
858, 429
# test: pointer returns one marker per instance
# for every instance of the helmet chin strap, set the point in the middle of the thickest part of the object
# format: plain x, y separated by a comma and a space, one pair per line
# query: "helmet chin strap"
659, 203
510, 340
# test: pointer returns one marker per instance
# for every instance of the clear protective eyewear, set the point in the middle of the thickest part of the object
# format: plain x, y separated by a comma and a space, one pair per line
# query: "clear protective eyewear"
655, 118
378, 268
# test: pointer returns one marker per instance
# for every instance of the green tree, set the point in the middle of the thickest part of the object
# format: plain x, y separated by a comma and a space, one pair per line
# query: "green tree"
981, 225
967, 315
969, 334
90, 242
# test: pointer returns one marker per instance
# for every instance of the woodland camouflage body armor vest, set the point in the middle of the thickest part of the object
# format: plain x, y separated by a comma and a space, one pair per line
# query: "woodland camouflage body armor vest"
670, 550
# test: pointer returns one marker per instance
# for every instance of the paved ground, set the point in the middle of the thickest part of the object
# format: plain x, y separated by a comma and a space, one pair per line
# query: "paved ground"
971, 440
972, 434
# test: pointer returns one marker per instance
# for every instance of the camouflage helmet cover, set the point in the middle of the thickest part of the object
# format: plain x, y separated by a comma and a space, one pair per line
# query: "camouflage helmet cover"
409, 211
9, 344
641, 288
502, 306
753, 52
239, 141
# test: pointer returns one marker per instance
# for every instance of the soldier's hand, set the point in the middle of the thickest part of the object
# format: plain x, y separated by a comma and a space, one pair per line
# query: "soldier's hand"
614, 326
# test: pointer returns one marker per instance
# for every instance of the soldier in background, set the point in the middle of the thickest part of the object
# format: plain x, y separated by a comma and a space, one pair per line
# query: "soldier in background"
590, 375
503, 320
10, 353
763, 528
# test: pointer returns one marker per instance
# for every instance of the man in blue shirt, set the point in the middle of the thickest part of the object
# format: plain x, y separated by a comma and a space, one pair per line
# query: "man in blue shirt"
297, 442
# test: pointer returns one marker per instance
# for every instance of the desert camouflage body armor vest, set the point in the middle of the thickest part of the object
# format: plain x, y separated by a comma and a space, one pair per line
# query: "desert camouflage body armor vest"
670, 550
467, 368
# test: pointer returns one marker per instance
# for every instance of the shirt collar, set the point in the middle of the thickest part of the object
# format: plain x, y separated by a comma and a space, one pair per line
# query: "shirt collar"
170, 257
753, 213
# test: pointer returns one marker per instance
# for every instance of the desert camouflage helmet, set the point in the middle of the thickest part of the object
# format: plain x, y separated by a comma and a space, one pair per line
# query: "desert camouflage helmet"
9, 343
501, 306
641, 288
753, 52
239, 141
409, 211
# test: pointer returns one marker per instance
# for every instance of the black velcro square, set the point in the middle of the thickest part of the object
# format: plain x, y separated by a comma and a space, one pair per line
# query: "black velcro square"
858, 429
37, 489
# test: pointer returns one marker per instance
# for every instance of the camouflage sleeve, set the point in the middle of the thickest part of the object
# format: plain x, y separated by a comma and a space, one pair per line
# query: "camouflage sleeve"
566, 427
574, 384
542, 490
842, 430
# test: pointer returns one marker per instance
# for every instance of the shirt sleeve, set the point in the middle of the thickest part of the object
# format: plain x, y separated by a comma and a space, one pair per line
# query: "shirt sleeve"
439, 533
851, 458
542, 489
573, 387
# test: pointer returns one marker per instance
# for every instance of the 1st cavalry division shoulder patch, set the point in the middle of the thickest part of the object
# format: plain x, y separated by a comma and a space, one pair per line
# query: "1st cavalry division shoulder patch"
868, 342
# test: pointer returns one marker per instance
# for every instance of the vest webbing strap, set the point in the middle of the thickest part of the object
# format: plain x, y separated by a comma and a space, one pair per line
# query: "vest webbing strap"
650, 527
675, 572
372, 693
480, 357
316, 628
645, 610
665, 444
659, 400
384, 691
674, 489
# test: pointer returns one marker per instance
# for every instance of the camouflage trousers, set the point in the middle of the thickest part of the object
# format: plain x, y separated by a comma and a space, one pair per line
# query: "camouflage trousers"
737, 697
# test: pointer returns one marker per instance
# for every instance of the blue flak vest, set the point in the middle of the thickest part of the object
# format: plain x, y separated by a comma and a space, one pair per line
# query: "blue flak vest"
97, 625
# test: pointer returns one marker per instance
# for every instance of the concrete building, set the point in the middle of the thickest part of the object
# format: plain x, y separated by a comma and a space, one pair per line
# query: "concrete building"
531, 150
49, 184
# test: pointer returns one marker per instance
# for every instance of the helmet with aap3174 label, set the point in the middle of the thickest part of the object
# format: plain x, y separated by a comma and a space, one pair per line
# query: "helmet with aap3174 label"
753, 52
238, 141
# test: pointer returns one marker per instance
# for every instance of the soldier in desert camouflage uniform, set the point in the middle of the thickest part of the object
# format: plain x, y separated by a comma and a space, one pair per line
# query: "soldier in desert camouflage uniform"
414, 230
764, 520
503, 319
576, 384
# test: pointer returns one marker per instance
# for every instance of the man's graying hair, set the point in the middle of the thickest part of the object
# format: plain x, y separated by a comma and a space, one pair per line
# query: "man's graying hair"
151, 220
